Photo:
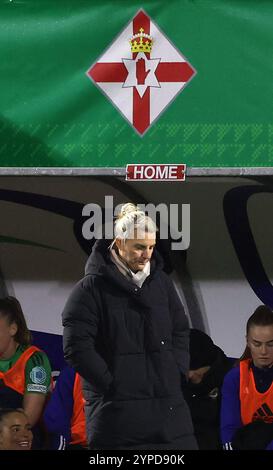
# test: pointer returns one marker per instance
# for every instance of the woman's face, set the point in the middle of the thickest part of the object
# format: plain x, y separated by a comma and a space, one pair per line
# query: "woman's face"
7, 333
137, 252
260, 343
15, 432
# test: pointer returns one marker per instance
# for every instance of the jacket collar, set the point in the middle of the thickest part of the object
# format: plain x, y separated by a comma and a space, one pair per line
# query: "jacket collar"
100, 263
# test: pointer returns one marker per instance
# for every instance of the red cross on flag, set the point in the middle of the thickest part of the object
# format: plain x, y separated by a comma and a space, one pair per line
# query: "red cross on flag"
141, 72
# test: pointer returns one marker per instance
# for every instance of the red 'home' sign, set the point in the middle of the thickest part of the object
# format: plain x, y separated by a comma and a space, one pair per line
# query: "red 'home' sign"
168, 172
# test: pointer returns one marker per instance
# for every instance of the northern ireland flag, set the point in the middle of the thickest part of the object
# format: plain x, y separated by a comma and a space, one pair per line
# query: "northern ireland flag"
141, 72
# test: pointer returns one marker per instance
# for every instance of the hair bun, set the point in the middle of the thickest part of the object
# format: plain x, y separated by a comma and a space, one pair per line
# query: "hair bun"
127, 208
130, 219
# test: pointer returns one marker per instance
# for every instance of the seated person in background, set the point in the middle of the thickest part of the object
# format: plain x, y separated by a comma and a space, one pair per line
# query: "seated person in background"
64, 416
247, 394
208, 366
25, 373
15, 430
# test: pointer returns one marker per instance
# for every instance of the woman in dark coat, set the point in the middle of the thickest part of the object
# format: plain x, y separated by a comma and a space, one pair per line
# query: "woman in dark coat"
126, 334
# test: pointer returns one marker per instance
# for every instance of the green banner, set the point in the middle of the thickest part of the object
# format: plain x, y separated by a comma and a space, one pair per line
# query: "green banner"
102, 84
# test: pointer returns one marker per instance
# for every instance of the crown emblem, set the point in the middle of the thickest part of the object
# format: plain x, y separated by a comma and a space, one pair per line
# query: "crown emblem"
141, 42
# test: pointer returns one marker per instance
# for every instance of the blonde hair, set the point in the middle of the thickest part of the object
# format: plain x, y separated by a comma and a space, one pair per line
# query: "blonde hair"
130, 220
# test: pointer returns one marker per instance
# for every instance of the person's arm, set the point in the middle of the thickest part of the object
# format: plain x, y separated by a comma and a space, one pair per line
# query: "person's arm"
59, 410
180, 333
81, 320
230, 407
33, 405
37, 386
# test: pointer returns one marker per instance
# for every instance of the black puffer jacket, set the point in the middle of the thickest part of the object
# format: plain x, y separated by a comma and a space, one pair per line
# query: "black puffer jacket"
130, 345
